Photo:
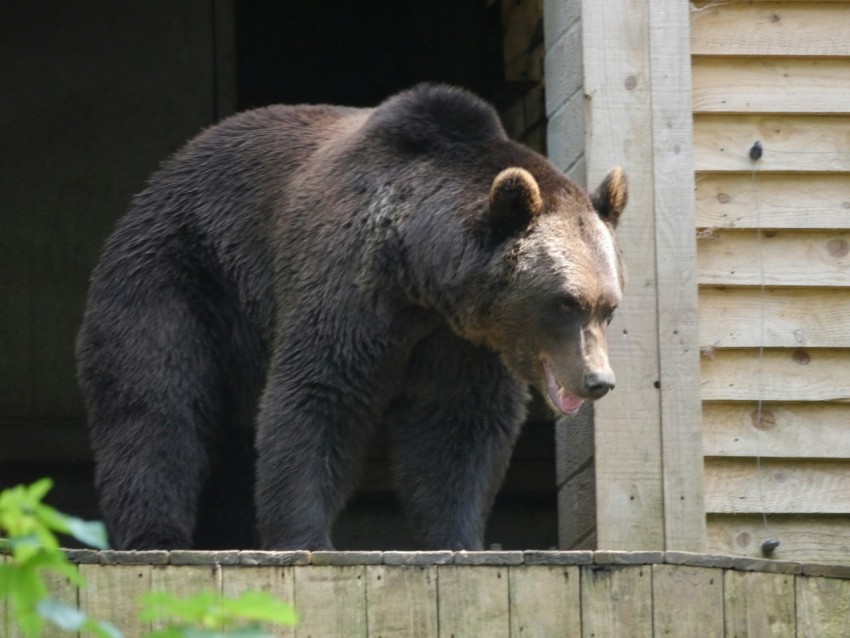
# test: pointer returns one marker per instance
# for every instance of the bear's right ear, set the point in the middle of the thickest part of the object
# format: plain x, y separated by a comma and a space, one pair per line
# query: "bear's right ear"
611, 197
514, 201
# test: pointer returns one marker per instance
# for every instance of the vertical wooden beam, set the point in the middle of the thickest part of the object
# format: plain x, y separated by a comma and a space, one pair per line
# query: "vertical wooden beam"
687, 601
276, 581
402, 600
472, 601
618, 131
112, 594
616, 601
823, 606
330, 600
544, 601
675, 249
759, 604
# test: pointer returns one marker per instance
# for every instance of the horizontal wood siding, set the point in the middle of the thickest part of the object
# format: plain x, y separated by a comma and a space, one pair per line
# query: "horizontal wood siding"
773, 267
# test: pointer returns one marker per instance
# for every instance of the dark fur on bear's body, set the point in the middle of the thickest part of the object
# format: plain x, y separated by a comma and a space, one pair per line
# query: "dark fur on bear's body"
291, 280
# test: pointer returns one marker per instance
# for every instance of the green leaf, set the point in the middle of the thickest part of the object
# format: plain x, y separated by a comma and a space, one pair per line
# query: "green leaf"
39, 489
102, 629
92, 533
260, 606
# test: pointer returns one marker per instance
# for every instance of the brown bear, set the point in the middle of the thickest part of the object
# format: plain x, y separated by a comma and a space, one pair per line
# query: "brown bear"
297, 277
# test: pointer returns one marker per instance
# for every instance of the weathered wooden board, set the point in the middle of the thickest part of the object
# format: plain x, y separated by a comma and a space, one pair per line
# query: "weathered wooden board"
774, 318
616, 601
473, 603
759, 605
402, 601
823, 607
811, 258
182, 581
815, 143
112, 594
544, 601
765, 85
770, 28
331, 601
276, 581
822, 539
783, 430
618, 107
64, 591
687, 601
778, 375
779, 486
775, 200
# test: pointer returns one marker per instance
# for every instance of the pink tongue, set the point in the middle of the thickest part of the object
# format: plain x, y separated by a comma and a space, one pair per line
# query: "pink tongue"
564, 400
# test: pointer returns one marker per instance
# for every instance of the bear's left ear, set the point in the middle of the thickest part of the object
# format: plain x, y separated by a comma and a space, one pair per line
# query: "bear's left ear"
514, 200
611, 197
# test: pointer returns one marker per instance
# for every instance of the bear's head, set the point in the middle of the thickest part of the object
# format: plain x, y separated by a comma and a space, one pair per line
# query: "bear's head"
560, 279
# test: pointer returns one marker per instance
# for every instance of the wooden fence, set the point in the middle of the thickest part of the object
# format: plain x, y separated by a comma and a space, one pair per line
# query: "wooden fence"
492, 594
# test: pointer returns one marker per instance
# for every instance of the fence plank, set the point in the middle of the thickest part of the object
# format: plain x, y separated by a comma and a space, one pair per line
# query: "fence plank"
112, 594
823, 607
759, 605
544, 601
783, 29
687, 601
775, 201
473, 602
182, 581
764, 85
616, 601
778, 375
276, 581
738, 486
331, 601
788, 258
402, 601
792, 318
802, 430
814, 143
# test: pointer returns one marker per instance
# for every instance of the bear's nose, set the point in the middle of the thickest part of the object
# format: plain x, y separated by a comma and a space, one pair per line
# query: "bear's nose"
597, 384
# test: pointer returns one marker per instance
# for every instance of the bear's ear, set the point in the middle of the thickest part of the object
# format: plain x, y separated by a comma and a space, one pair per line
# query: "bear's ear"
611, 197
514, 200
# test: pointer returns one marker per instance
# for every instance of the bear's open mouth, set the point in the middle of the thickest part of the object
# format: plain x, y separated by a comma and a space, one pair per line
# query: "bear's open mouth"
562, 399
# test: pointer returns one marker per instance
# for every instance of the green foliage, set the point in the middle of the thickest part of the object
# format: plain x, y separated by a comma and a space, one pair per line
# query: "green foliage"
208, 615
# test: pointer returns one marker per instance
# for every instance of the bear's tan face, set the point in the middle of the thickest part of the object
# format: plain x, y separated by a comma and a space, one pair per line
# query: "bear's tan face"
565, 279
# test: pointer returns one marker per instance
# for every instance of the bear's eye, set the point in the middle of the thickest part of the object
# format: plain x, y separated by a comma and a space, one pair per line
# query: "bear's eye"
609, 317
567, 304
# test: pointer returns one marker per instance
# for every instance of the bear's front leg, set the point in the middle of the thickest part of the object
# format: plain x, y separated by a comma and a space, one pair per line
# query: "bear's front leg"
453, 431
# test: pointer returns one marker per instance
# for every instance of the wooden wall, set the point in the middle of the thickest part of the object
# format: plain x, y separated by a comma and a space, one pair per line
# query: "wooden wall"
774, 273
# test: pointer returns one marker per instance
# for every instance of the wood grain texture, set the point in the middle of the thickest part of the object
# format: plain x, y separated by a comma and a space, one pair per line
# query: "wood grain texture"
544, 601
765, 85
823, 607
778, 375
687, 601
275, 581
684, 519
822, 539
810, 258
739, 486
112, 594
770, 28
473, 602
816, 143
630, 500
402, 601
616, 601
331, 601
182, 581
759, 605
774, 318
775, 200
781, 430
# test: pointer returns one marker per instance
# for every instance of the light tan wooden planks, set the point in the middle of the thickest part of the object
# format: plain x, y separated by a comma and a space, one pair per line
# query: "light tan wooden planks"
778, 375
770, 28
804, 430
775, 200
331, 601
765, 85
817, 143
544, 601
778, 486
402, 601
774, 318
616, 601
823, 607
823, 539
687, 601
276, 581
473, 602
112, 594
811, 258
759, 605
183, 581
